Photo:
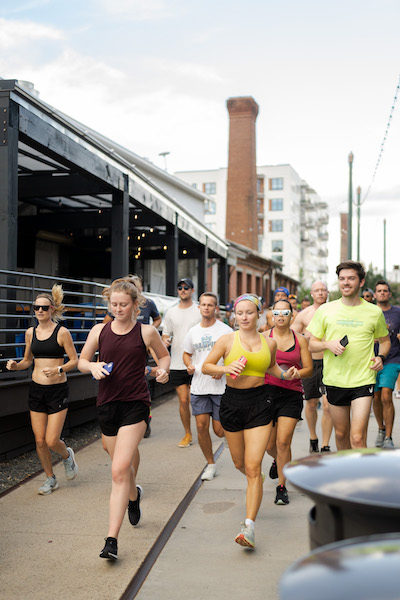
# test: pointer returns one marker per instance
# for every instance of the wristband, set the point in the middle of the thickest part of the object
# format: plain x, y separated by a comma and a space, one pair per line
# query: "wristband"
382, 357
282, 375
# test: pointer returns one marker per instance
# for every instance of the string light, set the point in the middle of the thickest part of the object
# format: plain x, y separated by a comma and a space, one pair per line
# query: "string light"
383, 141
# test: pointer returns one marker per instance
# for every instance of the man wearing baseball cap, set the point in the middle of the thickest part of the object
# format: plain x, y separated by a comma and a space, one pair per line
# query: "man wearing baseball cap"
177, 322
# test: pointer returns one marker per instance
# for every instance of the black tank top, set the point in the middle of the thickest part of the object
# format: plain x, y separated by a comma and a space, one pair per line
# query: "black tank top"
48, 348
126, 381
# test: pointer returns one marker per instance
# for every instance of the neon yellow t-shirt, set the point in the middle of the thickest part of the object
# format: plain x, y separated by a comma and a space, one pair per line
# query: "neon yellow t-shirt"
362, 324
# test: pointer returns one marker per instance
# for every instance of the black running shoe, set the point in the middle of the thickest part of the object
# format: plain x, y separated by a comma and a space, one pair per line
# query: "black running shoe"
314, 446
134, 511
325, 449
273, 472
281, 495
110, 550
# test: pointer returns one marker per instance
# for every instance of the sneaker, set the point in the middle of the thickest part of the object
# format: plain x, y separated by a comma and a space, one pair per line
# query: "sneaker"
110, 550
380, 438
325, 449
186, 441
273, 472
388, 443
134, 510
314, 446
148, 431
246, 537
49, 486
281, 495
209, 472
70, 466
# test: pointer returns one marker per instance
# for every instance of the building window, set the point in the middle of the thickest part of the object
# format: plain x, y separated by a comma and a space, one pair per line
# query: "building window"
260, 245
276, 204
277, 245
278, 257
248, 283
210, 188
194, 185
276, 183
239, 283
210, 207
260, 185
276, 225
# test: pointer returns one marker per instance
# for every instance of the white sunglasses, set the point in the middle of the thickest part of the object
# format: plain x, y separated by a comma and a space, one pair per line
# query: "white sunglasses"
284, 312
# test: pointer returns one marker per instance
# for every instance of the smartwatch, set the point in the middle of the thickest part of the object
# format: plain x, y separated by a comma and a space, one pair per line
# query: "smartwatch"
60, 371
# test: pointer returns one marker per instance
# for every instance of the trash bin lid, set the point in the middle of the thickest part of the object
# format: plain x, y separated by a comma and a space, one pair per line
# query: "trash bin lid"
363, 568
368, 476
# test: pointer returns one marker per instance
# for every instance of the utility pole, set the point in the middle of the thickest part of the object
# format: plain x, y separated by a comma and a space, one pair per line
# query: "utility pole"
358, 221
350, 212
384, 248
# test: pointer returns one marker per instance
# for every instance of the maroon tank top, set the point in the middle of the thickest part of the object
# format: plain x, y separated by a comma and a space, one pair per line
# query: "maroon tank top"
126, 381
286, 360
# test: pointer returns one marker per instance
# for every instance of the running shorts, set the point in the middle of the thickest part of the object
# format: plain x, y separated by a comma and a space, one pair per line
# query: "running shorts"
49, 399
245, 409
114, 415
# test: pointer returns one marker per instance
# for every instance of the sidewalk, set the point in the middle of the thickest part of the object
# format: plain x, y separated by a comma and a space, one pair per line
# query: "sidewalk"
51, 544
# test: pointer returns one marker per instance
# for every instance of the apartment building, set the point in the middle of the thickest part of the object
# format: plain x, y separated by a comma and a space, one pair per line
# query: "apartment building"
291, 218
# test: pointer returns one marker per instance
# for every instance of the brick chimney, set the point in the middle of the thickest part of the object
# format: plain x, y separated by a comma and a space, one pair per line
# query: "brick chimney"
241, 208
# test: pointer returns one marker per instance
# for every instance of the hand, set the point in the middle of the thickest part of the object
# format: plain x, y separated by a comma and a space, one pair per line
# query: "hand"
162, 376
378, 364
167, 341
50, 371
336, 347
11, 365
235, 368
291, 373
97, 370
191, 369
217, 376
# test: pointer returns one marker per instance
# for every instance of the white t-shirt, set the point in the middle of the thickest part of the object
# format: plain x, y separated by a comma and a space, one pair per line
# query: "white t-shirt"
198, 342
177, 322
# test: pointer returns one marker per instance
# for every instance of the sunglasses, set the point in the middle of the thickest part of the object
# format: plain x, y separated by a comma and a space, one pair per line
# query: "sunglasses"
183, 287
37, 307
284, 312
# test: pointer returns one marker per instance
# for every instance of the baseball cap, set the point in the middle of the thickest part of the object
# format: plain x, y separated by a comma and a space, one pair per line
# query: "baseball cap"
228, 306
282, 289
187, 281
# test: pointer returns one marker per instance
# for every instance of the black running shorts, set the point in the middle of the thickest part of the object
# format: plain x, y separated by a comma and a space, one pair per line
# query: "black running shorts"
49, 399
114, 415
245, 409
343, 396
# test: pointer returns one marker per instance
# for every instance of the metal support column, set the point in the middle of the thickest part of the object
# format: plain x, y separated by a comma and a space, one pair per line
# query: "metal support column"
223, 272
202, 269
8, 183
120, 232
171, 260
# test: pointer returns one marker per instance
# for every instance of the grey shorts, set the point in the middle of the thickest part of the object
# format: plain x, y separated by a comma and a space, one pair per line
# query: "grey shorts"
313, 386
206, 404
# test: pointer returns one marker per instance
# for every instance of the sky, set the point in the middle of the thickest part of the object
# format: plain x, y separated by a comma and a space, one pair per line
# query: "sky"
154, 75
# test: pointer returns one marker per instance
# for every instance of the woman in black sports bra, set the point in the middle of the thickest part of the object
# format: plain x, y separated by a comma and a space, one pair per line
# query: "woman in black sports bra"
46, 344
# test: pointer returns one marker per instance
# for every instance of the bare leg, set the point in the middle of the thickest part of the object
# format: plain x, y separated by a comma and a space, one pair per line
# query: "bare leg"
122, 448
135, 466
271, 446
203, 435
378, 409
285, 430
360, 411
255, 442
312, 416
341, 422
183, 392
388, 410
41, 423
326, 422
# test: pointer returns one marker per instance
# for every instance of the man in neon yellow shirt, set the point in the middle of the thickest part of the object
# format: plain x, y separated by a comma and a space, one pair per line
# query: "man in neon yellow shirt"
350, 367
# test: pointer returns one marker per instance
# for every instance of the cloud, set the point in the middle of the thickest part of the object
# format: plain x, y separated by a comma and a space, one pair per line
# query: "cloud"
14, 34
186, 69
138, 10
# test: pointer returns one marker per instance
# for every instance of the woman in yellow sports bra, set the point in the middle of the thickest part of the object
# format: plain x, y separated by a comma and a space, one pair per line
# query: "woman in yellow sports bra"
246, 411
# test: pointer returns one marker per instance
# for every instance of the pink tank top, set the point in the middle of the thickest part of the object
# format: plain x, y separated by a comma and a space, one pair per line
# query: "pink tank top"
285, 360
128, 353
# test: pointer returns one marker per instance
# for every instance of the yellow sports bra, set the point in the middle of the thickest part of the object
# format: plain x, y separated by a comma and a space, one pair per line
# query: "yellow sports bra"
257, 362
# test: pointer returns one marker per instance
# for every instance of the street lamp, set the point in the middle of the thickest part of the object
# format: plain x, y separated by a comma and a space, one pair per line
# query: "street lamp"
350, 215
164, 154
358, 221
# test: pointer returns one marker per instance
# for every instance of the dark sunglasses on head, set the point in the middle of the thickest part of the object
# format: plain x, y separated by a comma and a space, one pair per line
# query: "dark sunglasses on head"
37, 307
183, 287
284, 312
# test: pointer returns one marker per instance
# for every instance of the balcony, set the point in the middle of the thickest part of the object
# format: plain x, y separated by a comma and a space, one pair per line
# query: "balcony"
323, 235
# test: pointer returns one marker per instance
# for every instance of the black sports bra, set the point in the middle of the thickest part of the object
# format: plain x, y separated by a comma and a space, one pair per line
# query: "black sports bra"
48, 348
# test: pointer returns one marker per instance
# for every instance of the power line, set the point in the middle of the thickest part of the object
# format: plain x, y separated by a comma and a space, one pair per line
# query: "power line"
383, 141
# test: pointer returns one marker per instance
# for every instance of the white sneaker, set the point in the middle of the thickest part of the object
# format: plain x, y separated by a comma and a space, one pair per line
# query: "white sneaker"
209, 472
380, 438
388, 443
70, 466
49, 486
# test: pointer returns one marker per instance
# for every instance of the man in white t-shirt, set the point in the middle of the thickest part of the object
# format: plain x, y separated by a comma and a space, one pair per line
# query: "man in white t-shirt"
177, 322
206, 391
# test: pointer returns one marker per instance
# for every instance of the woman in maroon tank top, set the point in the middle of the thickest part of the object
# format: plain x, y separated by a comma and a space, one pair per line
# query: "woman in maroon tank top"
286, 396
123, 401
